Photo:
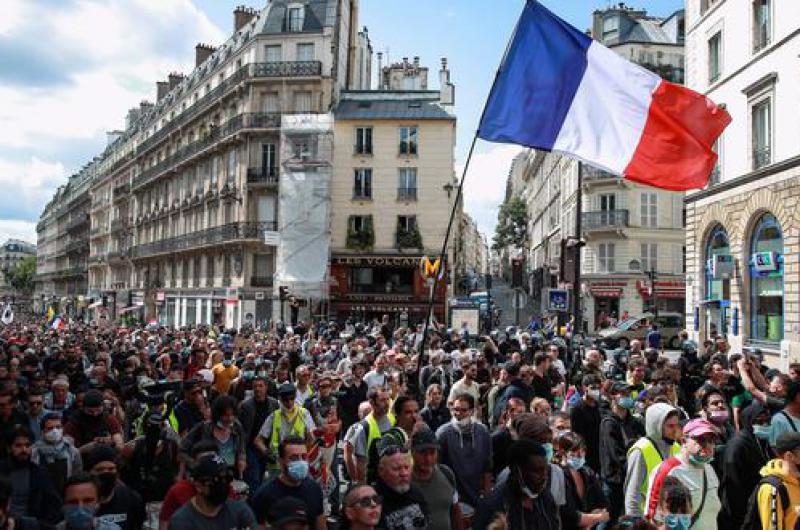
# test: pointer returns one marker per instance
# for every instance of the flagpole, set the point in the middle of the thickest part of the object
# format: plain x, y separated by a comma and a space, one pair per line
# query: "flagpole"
459, 194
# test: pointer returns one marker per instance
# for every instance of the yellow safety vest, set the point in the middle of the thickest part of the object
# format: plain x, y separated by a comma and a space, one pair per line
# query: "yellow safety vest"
652, 458
298, 428
374, 431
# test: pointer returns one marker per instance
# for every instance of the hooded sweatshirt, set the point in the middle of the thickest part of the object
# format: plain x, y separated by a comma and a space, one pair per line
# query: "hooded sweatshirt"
744, 457
637, 468
767, 495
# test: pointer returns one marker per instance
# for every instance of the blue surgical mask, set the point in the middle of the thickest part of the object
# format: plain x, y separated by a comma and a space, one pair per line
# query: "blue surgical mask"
226, 363
548, 450
576, 462
79, 517
297, 470
677, 521
700, 460
627, 403
762, 432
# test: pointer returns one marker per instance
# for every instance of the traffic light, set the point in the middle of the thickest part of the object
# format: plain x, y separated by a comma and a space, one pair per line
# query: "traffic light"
283, 292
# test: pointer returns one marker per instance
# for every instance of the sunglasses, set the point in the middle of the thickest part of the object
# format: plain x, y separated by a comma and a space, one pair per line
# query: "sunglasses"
393, 450
367, 502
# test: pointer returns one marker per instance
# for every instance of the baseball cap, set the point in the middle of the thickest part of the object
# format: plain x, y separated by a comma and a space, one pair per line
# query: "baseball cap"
787, 441
210, 466
93, 398
287, 389
287, 510
699, 427
424, 439
392, 441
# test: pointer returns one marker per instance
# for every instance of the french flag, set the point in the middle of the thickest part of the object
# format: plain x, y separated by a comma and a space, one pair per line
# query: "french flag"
559, 90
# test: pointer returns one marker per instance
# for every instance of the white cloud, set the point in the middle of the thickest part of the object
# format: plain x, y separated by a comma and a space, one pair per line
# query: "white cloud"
29, 186
24, 230
485, 187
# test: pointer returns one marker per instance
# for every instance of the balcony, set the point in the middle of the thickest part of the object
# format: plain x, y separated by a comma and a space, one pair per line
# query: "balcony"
262, 175
116, 255
406, 194
261, 281
79, 222
118, 225
591, 175
122, 191
761, 157
212, 236
288, 69
604, 220
210, 136
77, 246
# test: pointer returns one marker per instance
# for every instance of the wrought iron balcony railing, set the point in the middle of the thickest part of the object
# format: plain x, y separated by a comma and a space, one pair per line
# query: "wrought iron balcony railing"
604, 219
589, 173
77, 223
761, 157
211, 236
261, 281
406, 194
262, 175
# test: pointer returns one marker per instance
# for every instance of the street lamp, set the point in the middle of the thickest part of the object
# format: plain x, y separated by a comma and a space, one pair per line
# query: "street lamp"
635, 265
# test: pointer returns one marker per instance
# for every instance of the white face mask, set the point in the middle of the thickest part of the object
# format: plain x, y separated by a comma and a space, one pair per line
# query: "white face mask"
463, 423
54, 436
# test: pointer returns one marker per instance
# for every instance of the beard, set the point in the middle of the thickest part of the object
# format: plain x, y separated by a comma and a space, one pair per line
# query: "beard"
401, 488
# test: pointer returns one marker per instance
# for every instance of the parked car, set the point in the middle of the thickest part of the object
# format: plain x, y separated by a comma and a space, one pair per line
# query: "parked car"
621, 334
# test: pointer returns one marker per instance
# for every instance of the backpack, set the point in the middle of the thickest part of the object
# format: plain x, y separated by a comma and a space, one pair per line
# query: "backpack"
752, 518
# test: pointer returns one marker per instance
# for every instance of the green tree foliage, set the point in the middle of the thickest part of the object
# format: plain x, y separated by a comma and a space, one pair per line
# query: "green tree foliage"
512, 223
21, 276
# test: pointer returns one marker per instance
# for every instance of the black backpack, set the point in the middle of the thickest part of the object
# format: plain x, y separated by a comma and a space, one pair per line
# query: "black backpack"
752, 519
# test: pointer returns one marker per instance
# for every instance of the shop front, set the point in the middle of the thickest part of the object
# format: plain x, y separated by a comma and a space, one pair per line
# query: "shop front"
367, 287
766, 282
716, 303
606, 295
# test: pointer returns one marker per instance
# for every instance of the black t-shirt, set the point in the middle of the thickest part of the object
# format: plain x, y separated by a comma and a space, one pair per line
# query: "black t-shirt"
542, 387
308, 491
585, 421
234, 515
402, 511
125, 509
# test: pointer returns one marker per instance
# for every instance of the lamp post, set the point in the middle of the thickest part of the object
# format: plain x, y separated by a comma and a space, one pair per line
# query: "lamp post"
635, 265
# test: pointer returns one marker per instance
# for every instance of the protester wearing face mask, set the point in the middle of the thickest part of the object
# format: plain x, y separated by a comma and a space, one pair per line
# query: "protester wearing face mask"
289, 420
118, 503
692, 466
210, 507
81, 501
91, 427
224, 373
523, 502
585, 418
586, 504
714, 408
55, 453
225, 430
745, 455
152, 460
467, 446
292, 481
674, 506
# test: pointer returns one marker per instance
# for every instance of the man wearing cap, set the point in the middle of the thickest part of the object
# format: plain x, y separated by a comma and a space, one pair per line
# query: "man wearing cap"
437, 482
370, 430
191, 410
91, 427
118, 503
692, 466
289, 420
404, 505
210, 508
293, 481
288, 514
781, 476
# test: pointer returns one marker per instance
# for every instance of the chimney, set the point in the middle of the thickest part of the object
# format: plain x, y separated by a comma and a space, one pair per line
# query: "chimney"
380, 70
416, 61
144, 107
201, 53
447, 91
132, 117
241, 16
162, 88
175, 79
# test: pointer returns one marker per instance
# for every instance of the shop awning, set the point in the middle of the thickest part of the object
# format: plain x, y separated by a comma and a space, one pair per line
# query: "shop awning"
128, 309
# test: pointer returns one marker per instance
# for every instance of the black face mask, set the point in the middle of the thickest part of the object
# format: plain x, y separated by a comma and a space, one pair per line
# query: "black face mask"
106, 483
217, 492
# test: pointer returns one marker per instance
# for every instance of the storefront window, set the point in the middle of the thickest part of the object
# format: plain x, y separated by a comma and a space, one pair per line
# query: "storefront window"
717, 282
766, 280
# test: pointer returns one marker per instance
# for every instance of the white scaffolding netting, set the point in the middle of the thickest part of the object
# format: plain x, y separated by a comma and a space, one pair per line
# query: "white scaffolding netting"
306, 152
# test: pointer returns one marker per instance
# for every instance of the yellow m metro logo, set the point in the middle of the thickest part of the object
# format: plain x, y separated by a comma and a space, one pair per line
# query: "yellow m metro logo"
431, 269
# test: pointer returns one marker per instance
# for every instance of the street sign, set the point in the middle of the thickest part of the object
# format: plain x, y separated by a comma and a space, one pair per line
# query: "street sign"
519, 300
558, 300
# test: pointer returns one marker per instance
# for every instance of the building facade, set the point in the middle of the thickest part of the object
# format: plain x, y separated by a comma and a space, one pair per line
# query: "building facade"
742, 231
472, 256
11, 253
183, 198
392, 193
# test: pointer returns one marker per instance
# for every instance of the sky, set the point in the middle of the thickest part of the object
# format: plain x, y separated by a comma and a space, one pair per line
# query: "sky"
72, 68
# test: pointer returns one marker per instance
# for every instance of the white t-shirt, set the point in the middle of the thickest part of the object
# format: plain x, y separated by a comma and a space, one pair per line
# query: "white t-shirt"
373, 378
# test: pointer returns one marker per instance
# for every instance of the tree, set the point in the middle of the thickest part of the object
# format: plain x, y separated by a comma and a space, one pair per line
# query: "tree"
512, 224
21, 276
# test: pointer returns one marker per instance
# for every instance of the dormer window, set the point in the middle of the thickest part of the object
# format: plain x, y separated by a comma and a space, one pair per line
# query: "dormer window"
295, 18
610, 27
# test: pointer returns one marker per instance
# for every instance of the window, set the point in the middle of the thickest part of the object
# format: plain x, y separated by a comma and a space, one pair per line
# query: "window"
271, 103
761, 24
269, 165
408, 140
649, 255
209, 271
363, 141
215, 163
605, 255
273, 53
362, 184
761, 117
305, 52
407, 183
610, 27
705, 5
196, 266
766, 285
232, 164
714, 57
295, 19
406, 223
302, 101
360, 223
649, 210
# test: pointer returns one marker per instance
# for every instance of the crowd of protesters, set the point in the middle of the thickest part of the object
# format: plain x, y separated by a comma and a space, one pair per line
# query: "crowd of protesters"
330, 425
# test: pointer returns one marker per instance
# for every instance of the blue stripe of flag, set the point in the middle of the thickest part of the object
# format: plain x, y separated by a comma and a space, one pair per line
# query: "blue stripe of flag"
537, 81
